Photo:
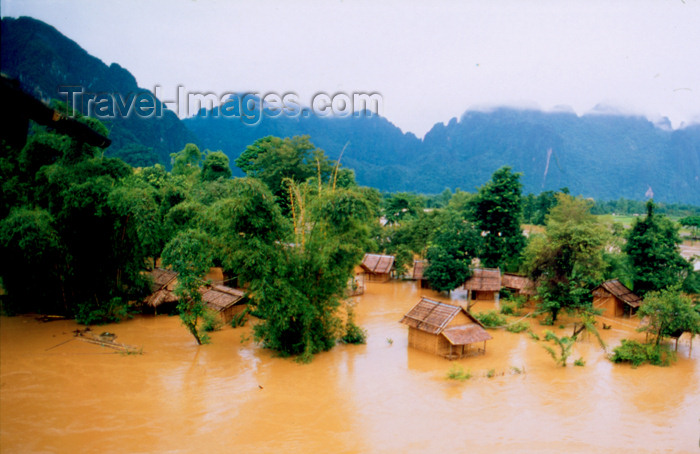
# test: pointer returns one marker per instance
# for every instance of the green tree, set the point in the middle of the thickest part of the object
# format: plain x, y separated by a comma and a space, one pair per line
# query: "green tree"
498, 213
215, 165
186, 161
402, 205
450, 253
653, 250
277, 162
567, 261
189, 254
693, 223
669, 313
298, 297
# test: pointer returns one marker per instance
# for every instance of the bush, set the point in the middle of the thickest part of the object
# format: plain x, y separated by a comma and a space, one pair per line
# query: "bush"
636, 353
353, 333
239, 319
211, 321
457, 372
98, 314
508, 307
580, 362
491, 319
518, 327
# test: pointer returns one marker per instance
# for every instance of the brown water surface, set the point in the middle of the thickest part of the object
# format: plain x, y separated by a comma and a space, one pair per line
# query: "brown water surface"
232, 396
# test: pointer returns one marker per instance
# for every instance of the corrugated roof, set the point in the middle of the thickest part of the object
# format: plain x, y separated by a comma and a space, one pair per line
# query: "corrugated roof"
466, 334
418, 269
518, 282
620, 291
377, 263
485, 280
220, 297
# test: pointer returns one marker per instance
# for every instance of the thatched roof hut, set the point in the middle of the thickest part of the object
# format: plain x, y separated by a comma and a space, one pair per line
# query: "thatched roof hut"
615, 299
162, 284
484, 284
519, 285
419, 267
227, 301
443, 329
378, 267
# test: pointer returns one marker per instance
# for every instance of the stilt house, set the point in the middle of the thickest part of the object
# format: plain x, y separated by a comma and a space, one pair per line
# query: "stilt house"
444, 329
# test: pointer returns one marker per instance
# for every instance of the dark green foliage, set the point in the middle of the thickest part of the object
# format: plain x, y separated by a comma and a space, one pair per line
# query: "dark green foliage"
669, 313
537, 207
215, 166
693, 223
454, 245
353, 333
498, 213
189, 254
633, 352
400, 206
299, 290
652, 248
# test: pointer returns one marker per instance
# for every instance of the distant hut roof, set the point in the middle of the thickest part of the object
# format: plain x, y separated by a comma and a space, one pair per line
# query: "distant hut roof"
161, 277
418, 269
485, 280
620, 291
433, 316
517, 282
377, 264
220, 297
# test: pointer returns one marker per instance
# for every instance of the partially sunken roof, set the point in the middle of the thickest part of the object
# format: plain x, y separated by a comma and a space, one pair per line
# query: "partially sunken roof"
220, 297
518, 282
161, 277
620, 291
418, 269
485, 280
378, 264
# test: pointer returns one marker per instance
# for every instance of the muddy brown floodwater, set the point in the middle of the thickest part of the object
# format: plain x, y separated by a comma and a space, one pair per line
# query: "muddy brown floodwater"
232, 396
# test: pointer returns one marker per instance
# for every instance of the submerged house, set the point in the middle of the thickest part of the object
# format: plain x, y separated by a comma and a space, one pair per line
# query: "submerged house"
227, 301
444, 329
377, 267
484, 284
162, 284
615, 299
518, 285
419, 267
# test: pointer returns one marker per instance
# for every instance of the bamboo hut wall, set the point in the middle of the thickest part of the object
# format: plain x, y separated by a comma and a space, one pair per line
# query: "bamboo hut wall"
611, 306
420, 340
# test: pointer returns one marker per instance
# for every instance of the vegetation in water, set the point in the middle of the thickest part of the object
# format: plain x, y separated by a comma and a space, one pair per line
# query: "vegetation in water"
458, 373
491, 319
636, 353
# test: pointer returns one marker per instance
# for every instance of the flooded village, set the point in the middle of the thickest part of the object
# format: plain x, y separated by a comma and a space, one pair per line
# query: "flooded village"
60, 394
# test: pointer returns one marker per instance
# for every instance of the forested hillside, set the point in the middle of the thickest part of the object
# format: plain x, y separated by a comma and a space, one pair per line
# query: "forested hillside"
43, 60
604, 156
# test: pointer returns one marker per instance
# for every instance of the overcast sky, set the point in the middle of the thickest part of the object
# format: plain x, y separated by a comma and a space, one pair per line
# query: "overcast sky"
429, 63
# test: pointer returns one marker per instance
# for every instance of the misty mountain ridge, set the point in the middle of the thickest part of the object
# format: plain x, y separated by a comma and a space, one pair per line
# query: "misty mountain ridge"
600, 154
